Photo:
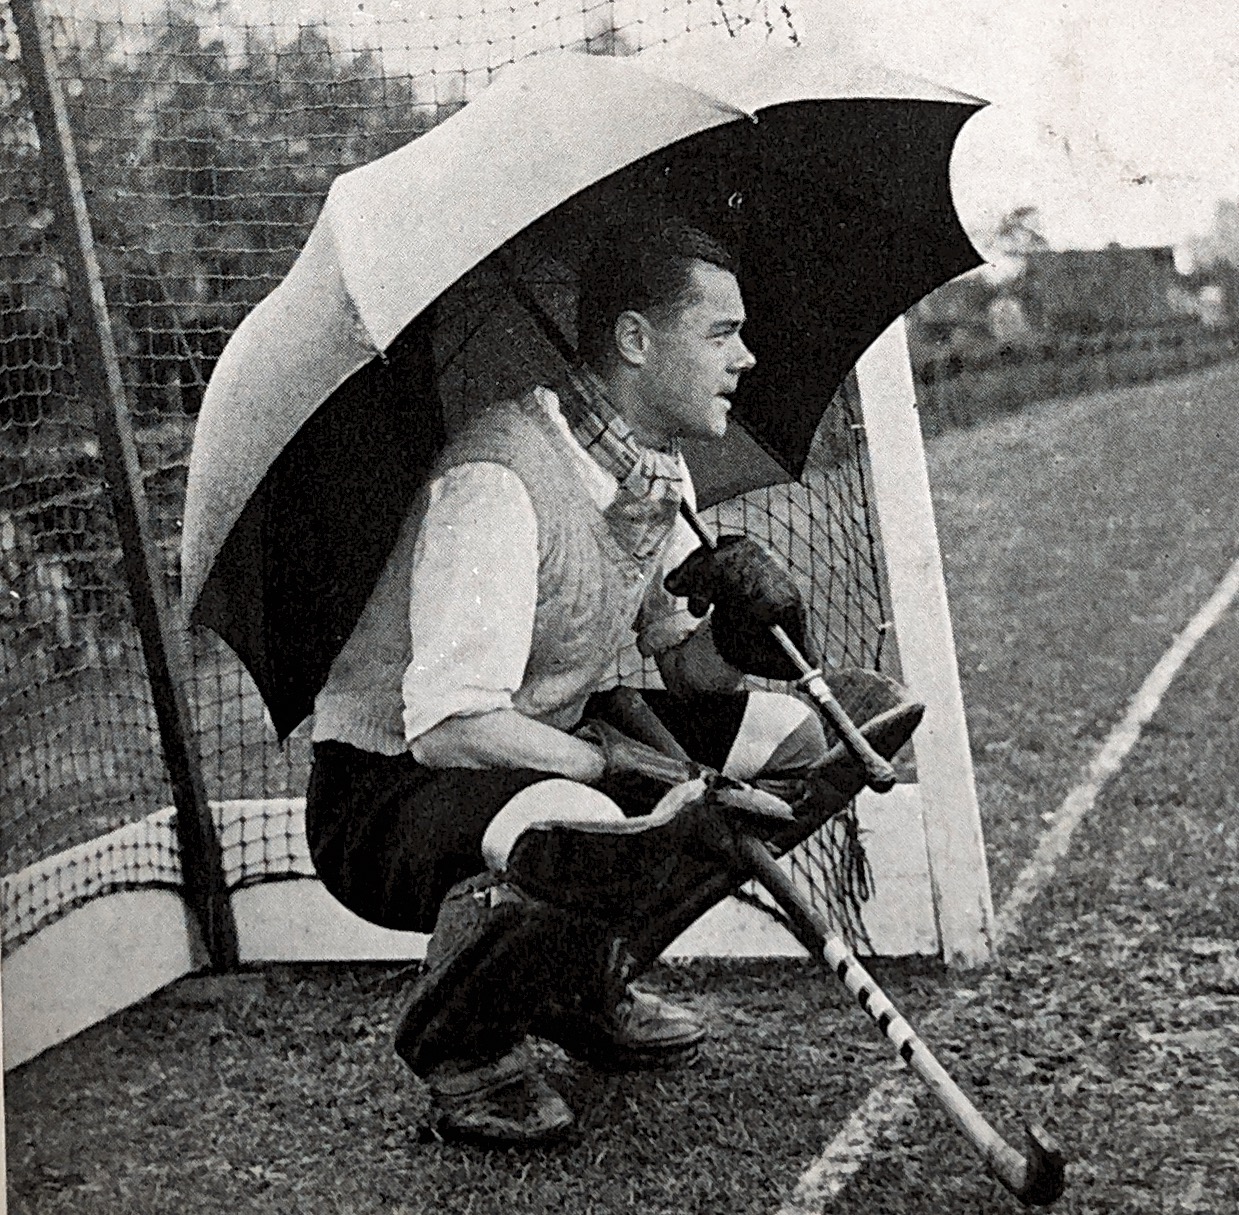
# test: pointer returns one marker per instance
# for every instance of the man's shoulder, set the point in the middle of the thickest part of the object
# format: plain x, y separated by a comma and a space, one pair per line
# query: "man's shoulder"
497, 417
514, 432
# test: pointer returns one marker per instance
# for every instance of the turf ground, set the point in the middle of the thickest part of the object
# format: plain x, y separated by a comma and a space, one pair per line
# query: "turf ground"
1079, 537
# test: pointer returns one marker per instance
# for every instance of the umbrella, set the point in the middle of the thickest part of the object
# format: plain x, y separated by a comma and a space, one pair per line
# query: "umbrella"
441, 277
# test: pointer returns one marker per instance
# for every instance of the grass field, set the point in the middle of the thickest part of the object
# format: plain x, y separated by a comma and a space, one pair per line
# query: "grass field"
1079, 536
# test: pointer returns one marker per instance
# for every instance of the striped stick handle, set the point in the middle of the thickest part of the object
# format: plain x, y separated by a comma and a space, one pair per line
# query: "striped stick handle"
1036, 1180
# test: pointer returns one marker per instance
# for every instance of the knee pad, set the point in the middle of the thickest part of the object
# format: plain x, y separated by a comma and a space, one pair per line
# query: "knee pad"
778, 732
550, 801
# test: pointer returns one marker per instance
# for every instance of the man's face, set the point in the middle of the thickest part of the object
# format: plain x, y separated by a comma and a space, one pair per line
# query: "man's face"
696, 356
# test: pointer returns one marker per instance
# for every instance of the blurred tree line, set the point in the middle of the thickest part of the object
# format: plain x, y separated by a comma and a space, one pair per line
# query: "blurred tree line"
205, 165
1030, 295
1037, 322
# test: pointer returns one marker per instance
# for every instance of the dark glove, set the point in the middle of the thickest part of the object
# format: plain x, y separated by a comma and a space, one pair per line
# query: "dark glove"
750, 591
637, 775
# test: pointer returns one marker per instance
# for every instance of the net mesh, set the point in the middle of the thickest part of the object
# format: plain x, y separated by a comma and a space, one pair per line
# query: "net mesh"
208, 133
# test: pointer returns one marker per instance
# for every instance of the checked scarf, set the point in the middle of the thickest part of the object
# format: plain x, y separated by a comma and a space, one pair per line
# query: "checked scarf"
651, 483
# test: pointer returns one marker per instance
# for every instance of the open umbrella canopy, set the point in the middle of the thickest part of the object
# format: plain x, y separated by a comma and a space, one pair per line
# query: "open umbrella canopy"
442, 277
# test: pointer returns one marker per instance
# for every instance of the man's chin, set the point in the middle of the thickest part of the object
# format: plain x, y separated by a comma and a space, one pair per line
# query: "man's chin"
711, 433
707, 424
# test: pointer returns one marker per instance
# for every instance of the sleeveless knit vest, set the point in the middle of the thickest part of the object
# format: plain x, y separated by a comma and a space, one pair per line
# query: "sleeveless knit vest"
590, 588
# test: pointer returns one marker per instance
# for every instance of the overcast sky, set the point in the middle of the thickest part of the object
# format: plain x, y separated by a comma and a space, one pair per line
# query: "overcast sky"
1118, 119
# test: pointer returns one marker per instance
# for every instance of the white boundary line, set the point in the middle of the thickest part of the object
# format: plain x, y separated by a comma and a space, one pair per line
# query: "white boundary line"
890, 1101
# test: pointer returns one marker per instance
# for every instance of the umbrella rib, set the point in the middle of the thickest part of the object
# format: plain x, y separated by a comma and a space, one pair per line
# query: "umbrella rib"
468, 337
719, 103
550, 330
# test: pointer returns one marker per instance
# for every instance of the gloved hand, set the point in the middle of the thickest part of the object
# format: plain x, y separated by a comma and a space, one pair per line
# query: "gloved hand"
750, 591
636, 775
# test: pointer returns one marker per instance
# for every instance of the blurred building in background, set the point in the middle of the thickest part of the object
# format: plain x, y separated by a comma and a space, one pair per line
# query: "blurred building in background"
1030, 293
1100, 290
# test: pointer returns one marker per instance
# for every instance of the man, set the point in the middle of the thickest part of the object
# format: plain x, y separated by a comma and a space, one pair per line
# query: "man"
460, 710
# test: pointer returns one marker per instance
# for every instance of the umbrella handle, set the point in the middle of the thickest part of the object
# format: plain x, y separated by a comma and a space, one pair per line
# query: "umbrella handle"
879, 773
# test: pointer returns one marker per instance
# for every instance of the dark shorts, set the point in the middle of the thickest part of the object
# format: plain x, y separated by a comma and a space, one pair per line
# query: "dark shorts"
390, 837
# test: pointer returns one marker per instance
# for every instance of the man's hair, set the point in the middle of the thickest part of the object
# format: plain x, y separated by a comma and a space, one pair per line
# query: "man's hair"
644, 270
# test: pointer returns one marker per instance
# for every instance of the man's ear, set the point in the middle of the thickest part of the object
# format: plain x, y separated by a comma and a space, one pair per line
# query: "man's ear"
632, 338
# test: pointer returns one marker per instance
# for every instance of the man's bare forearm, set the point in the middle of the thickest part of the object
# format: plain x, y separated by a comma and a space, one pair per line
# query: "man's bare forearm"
505, 738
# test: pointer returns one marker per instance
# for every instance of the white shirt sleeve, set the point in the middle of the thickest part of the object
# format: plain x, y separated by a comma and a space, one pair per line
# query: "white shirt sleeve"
664, 620
473, 594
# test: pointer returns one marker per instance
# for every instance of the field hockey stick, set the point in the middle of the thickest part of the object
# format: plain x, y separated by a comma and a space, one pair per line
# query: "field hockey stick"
879, 773
1037, 1178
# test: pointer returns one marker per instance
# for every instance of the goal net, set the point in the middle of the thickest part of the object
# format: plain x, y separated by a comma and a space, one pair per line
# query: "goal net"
208, 132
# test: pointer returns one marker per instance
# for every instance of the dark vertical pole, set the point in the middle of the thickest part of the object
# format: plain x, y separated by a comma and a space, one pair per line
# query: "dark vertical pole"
101, 384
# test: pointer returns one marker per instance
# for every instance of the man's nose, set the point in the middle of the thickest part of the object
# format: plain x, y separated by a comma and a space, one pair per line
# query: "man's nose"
745, 359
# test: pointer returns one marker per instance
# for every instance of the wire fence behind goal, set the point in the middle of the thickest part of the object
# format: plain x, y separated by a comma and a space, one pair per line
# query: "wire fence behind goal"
208, 132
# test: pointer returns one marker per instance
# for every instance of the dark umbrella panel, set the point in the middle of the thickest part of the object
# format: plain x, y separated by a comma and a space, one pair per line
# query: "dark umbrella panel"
295, 571
845, 221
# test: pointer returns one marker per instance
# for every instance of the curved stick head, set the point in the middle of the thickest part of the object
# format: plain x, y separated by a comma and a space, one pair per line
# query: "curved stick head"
1046, 1165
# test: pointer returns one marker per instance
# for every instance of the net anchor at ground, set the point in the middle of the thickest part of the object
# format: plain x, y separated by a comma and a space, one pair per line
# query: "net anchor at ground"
1036, 1178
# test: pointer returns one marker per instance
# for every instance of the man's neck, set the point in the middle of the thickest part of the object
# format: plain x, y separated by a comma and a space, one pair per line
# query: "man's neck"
647, 426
